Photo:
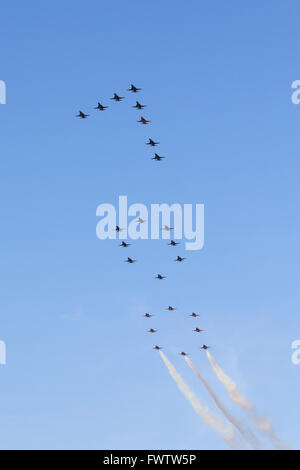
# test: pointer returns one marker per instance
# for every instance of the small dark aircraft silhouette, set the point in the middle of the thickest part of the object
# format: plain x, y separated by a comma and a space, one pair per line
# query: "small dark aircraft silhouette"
197, 330
81, 115
159, 276
205, 347
125, 245
179, 259
143, 120
134, 89
170, 308
157, 157
100, 107
152, 143
118, 229
195, 315
152, 330
167, 228
182, 353
172, 243
117, 97
139, 105
147, 315
130, 260
157, 348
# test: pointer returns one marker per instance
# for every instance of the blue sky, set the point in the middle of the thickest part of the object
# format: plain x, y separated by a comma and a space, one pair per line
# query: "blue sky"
216, 77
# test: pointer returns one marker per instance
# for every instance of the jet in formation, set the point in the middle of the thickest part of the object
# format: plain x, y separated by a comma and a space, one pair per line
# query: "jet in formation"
130, 260
139, 105
157, 157
152, 143
134, 89
172, 243
160, 277
81, 115
117, 97
143, 120
101, 107
179, 259
125, 245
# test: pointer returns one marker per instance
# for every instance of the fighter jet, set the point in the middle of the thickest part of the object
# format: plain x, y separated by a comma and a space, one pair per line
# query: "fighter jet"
205, 347
194, 315
81, 115
100, 107
152, 143
129, 260
157, 157
157, 348
139, 105
140, 220
182, 353
134, 89
118, 229
147, 315
197, 330
170, 308
143, 120
152, 330
125, 245
117, 97
179, 259
167, 228
172, 243
159, 276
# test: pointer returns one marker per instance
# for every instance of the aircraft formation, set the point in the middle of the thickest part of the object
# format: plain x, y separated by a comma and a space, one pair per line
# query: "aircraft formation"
152, 143
142, 120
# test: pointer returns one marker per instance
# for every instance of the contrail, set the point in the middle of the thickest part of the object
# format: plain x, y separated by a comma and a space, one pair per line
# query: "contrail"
246, 433
264, 425
225, 431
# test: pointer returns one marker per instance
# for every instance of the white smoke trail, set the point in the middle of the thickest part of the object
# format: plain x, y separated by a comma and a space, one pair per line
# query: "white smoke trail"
264, 425
245, 432
226, 431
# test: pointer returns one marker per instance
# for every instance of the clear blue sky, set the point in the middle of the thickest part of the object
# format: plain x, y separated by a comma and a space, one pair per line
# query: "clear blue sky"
216, 77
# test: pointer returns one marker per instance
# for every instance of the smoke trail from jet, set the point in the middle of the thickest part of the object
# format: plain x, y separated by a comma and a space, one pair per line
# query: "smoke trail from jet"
225, 431
264, 425
246, 433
